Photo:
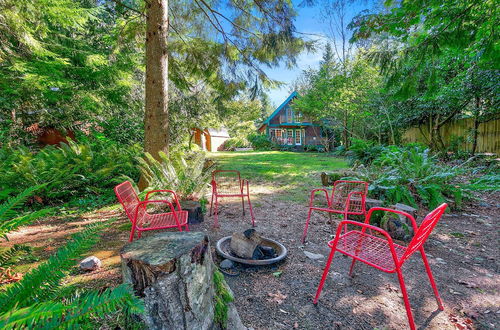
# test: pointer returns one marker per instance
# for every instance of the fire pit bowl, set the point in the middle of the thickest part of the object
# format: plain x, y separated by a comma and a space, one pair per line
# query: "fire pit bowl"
223, 249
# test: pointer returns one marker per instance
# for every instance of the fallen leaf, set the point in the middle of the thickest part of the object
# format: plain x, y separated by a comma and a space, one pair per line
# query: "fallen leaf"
277, 297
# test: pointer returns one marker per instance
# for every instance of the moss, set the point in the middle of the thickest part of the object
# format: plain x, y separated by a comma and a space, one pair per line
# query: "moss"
222, 299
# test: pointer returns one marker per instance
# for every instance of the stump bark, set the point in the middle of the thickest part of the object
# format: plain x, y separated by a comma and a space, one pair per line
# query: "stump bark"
195, 214
172, 272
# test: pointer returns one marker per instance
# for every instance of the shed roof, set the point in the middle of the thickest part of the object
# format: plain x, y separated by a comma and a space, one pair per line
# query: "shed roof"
222, 132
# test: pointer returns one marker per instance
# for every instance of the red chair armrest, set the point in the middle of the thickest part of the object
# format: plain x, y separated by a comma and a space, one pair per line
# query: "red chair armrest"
313, 194
409, 216
176, 200
144, 203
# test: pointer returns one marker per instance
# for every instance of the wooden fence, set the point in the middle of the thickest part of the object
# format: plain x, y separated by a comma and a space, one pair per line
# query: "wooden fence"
488, 139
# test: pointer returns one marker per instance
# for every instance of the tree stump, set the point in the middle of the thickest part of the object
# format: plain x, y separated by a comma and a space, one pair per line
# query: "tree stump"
172, 272
195, 215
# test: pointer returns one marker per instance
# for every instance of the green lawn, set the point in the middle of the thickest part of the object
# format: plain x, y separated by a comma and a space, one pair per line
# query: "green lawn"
291, 172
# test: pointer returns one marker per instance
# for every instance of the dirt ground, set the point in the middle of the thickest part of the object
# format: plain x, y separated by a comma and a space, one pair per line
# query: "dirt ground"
463, 253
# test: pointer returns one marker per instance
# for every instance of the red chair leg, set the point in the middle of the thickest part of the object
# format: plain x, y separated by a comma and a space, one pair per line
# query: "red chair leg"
132, 232
325, 273
406, 300
352, 266
431, 279
251, 210
243, 204
187, 227
211, 203
139, 234
306, 226
216, 215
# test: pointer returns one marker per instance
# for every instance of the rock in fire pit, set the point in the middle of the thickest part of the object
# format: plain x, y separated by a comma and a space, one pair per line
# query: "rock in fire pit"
251, 249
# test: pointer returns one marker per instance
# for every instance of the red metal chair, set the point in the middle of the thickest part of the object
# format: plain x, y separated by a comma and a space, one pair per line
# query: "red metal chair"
141, 219
228, 183
381, 252
348, 197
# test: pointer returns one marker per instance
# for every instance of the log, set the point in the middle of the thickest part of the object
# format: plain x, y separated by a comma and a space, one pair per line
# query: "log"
242, 246
173, 273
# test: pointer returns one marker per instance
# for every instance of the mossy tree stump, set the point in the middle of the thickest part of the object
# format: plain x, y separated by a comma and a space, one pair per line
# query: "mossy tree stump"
172, 272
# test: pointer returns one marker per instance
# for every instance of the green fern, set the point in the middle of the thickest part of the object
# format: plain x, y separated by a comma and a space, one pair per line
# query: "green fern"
53, 314
187, 176
8, 209
41, 283
7, 256
9, 220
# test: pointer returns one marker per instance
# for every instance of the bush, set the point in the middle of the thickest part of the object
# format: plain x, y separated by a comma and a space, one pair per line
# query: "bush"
411, 175
314, 148
363, 152
188, 176
261, 142
236, 142
71, 171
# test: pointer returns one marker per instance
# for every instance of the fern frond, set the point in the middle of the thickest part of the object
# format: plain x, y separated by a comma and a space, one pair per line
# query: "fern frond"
6, 256
10, 225
54, 314
7, 209
41, 283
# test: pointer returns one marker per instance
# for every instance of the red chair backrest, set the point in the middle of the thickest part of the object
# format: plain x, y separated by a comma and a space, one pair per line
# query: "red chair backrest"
341, 191
424, 231
227, 181
127, 196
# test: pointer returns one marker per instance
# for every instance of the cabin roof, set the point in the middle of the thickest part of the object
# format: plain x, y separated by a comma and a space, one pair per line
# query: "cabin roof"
282, 105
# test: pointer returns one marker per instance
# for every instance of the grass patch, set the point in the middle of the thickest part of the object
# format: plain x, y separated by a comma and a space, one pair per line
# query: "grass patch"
222, 298
293, 173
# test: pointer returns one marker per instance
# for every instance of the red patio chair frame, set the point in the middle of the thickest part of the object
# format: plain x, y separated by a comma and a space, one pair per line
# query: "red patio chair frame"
136, 211
236, 191
381, 252
341, 200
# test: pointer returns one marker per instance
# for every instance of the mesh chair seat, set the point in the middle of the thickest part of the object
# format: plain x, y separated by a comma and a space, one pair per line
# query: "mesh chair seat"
369, 249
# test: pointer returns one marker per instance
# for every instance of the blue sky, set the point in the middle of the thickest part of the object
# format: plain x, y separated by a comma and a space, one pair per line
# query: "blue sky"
308, 20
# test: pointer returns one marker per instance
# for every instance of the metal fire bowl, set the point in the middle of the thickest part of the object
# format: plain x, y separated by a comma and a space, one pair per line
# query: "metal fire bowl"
223, 249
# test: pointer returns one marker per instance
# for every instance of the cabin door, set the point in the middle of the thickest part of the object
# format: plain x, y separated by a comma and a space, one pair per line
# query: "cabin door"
298, 137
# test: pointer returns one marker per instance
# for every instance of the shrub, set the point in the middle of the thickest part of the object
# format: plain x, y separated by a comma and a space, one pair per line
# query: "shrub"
314, 148
70, 171
237, 142
261, 142
363, 152
188, 176
411, 175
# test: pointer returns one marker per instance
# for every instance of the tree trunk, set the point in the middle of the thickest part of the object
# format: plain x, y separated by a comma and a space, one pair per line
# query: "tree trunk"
156, 111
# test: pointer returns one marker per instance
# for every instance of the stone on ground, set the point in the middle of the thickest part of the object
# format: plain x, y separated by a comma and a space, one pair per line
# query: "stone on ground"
314, 256
90, 263
227, 264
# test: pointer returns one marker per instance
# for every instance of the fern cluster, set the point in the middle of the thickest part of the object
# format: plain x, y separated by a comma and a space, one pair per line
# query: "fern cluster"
73, 170
409, 175
187, 176
35, 300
